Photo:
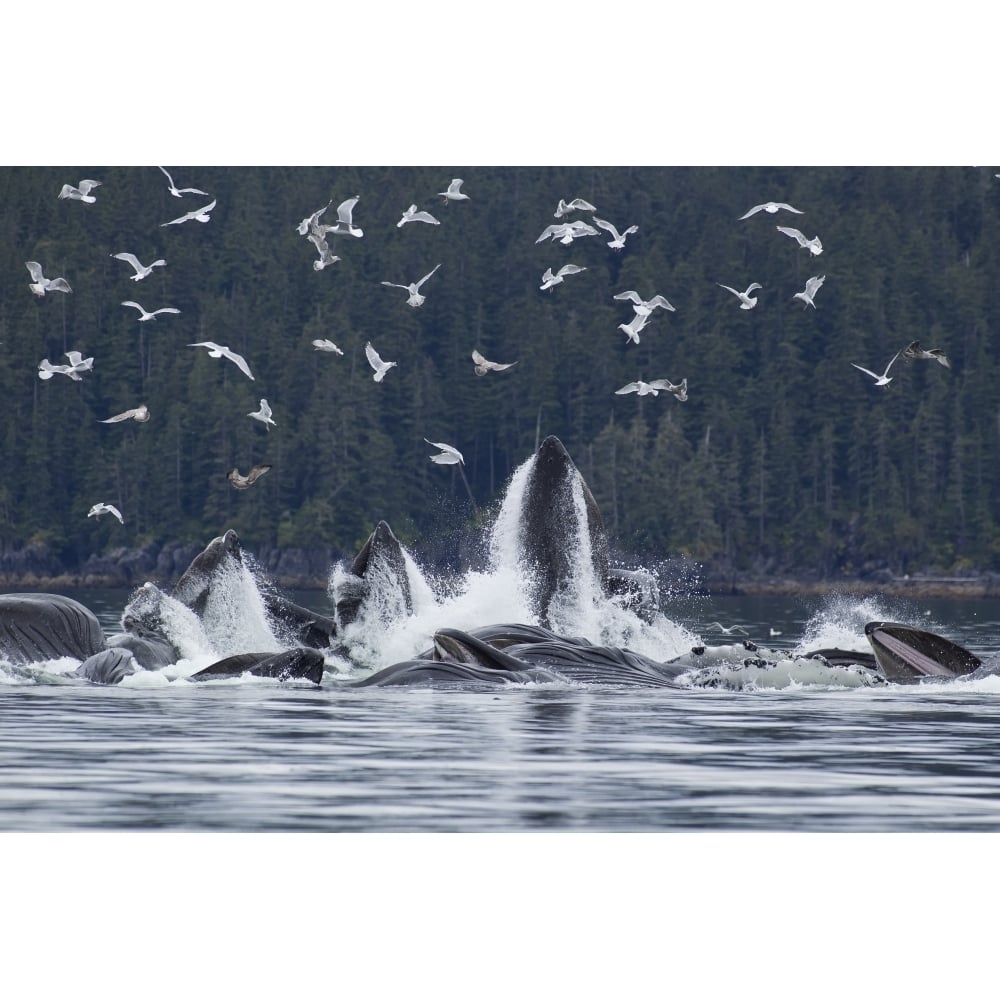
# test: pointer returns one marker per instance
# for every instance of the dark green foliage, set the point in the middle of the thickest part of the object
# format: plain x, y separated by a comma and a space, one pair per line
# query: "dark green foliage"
783, 456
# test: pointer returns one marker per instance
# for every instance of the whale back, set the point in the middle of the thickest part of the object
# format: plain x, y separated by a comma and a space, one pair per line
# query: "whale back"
291, 664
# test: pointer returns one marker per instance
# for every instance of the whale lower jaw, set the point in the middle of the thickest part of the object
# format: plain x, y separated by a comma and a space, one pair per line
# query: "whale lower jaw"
906, 655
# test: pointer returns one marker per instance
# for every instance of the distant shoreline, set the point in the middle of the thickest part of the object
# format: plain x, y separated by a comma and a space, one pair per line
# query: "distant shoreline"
917, 586
950, 588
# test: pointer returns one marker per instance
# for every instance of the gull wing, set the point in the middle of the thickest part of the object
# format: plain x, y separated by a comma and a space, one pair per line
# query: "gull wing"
604, 224
425, 277
237, 360
344, 210
659, 300
795, 234
373, 356
866, 370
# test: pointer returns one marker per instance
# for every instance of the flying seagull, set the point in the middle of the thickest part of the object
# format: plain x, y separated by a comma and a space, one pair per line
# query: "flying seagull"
327, 345
772, 207
618, 242
345, 225
882, 379
144, 316
415, 298
718, 627
641, 307
140, 415
40, 284
311, 222
566, 232
264, 415
198, 214
412, 215
241, 482
448, 456
813, 285
483, 366
175, 190
549, 279
105, 508
746, 302
46, 370
78, 362
141, 271
81, 192
680, 390
915, 351
633, 328
380, 367
654, 388
215, 351
814, 246
577, 204
326, 257
454, 192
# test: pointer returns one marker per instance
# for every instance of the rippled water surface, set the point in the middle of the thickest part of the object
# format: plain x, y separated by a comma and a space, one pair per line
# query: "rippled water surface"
268, 757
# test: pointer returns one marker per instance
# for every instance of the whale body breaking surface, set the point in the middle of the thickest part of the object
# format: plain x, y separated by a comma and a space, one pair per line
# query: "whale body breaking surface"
581, 614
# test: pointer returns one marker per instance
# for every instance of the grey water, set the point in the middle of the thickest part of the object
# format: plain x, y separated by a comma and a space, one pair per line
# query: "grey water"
295, 758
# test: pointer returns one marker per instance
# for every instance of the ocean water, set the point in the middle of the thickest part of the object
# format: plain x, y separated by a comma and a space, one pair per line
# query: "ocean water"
785, 746
255, 755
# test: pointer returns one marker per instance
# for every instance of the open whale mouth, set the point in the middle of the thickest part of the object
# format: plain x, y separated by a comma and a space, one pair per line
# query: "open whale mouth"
459, 647
907, 654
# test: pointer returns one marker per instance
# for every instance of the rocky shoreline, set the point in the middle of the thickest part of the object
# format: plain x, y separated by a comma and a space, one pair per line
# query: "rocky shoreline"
37, 567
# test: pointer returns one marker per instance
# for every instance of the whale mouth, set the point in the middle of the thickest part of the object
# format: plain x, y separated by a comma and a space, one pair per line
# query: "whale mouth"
907, 654
448, 648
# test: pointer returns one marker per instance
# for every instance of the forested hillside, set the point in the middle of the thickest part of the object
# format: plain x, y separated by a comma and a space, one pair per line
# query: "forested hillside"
783, 456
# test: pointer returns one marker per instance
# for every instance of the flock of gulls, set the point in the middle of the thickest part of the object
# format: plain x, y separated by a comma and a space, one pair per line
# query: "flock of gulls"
317, 232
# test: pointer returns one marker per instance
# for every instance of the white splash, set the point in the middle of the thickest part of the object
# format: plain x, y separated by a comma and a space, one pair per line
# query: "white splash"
840, 623
753, 673
385, 632
183, 628
235, 617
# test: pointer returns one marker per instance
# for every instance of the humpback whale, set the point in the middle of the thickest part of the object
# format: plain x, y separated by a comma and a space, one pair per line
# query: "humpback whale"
221, 554
224, 554
108, 667
35, 627
561, 526
548, 539
564, 659
288, 665
452, 663
906, 655
379, 563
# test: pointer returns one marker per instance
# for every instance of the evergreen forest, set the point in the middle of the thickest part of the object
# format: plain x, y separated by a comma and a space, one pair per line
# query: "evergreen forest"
783, 457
